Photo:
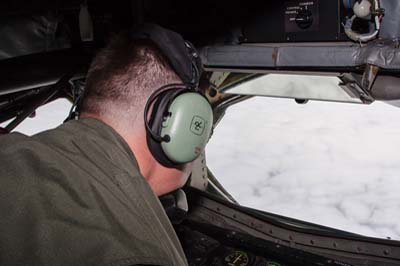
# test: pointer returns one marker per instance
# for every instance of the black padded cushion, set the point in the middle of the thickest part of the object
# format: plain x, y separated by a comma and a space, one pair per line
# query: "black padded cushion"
159, 110
182, 55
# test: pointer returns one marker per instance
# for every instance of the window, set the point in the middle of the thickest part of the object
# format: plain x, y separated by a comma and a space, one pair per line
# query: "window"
333, 164
48, 116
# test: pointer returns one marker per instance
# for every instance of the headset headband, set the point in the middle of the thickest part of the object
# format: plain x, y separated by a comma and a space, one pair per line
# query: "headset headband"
181, 54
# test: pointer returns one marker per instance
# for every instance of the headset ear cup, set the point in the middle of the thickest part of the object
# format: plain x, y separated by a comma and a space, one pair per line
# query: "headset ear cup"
158, 112
189, 127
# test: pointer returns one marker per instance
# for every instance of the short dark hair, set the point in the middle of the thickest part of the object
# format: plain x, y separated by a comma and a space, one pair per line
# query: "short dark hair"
125, 73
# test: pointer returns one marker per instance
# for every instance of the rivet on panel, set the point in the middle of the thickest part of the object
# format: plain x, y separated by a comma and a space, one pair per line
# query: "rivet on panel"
386, 252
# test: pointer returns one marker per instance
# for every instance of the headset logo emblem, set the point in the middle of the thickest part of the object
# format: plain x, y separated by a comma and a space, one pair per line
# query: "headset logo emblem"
198, 125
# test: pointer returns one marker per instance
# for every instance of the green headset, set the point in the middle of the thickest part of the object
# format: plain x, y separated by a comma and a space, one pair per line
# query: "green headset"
177, 117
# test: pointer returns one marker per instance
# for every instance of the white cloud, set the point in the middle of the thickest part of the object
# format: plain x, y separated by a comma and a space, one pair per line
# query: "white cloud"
47, 117
329, 163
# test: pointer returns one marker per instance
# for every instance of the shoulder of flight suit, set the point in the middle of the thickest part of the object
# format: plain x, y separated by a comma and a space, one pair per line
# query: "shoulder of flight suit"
75, 196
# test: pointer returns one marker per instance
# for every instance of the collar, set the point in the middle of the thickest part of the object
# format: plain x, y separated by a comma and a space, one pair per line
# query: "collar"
106, 132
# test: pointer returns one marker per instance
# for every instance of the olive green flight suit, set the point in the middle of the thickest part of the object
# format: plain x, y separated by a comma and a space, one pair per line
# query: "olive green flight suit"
74, 196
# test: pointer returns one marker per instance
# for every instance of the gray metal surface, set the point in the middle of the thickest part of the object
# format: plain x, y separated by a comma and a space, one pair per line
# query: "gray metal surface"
383, 52
198, 178
385, 55
23, 35
390, 27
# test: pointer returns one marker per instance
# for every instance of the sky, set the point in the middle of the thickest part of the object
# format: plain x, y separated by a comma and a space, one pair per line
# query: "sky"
329, 163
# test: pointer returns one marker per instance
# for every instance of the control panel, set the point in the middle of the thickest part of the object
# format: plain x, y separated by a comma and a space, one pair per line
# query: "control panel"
297, 21
301, 16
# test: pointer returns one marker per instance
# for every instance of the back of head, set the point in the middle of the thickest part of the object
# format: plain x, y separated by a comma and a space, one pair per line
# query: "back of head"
151, 74
123, 75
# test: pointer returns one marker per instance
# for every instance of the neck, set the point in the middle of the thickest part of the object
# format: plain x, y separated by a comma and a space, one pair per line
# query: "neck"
131, 133
161, 179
